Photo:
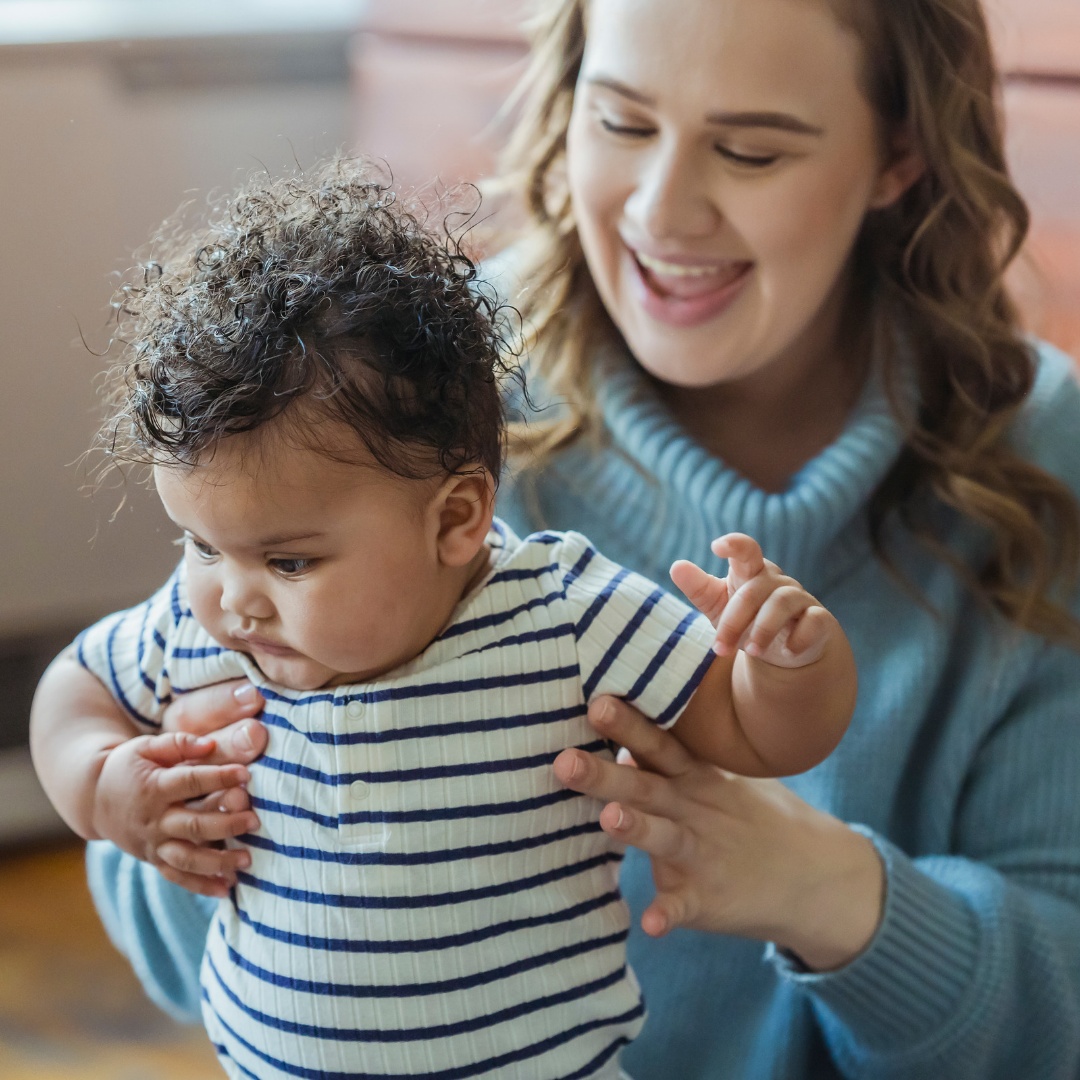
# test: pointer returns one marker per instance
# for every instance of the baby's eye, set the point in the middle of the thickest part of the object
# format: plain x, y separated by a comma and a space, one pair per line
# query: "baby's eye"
749, 161
291, 567
204, 551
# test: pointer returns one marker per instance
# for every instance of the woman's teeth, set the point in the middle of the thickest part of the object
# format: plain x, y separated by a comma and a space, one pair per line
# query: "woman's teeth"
662, 268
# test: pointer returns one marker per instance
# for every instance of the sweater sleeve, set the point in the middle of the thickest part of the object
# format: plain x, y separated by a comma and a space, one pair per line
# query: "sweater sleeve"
158, 926
975, 969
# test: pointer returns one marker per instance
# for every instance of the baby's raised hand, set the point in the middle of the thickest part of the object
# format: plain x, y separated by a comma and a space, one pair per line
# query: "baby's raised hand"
143, 804
756, 607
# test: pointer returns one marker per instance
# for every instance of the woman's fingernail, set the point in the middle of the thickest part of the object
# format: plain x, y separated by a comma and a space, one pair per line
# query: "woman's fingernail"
244, 740
605, 711
620, 820
246, 694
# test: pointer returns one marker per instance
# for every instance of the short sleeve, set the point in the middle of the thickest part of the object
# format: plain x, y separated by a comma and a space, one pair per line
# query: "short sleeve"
634, 640
133, 653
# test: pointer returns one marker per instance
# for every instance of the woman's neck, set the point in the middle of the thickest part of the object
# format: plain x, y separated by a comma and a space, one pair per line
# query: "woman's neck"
768, 426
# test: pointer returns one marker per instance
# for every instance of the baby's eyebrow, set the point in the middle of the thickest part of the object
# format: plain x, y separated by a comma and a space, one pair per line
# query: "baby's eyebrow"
287, 538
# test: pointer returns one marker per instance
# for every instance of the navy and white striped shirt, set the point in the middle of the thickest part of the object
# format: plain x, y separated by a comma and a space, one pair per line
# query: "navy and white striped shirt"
424, 899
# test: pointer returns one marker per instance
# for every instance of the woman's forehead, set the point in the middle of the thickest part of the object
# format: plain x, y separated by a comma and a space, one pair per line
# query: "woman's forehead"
724, 54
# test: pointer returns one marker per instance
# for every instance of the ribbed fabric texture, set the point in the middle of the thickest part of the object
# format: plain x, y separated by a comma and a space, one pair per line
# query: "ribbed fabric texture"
424, 899
962, 763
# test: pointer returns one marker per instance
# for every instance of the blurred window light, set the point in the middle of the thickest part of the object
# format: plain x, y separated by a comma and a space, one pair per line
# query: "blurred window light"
45, 22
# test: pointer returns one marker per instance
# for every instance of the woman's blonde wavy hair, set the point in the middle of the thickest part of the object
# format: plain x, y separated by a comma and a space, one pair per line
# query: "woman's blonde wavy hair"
936, 263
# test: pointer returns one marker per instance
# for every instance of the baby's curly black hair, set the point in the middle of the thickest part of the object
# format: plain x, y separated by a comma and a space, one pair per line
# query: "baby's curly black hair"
322, 288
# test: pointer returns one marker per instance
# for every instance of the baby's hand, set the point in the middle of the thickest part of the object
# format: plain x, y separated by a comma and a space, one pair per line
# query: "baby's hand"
756, 607
144, 804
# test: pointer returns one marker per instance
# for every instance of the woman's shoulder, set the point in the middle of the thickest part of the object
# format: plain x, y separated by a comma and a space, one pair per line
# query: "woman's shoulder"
1047, 431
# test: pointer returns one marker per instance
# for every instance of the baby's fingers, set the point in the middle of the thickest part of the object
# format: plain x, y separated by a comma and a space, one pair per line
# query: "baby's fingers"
229, 801
740, 612
811, 633
174, 748
778, 611
203, 870
206, 827
743, 554
707, 593
215, 887
186, 782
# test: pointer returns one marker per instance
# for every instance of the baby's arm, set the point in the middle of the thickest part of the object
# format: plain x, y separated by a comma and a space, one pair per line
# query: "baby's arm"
108, 782
781, 692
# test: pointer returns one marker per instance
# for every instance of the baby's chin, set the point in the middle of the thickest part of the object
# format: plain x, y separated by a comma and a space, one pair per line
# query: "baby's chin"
296, 672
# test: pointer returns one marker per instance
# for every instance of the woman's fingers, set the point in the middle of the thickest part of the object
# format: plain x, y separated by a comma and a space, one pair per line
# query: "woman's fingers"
608, 782
651, 747
667, 912
239, 743
211, 708
657, 836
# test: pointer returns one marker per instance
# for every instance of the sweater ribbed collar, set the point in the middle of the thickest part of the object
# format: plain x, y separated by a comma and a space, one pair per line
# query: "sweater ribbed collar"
799, 528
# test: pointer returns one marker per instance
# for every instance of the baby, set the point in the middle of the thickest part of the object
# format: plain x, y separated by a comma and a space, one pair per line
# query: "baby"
317, 384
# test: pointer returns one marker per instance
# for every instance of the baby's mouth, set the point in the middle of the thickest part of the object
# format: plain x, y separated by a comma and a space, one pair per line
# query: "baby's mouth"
264, 645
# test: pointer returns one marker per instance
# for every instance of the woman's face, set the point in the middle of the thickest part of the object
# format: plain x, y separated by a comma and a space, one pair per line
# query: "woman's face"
721, 158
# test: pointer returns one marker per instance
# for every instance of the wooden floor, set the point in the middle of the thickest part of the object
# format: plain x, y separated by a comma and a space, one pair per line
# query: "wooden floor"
70, 1009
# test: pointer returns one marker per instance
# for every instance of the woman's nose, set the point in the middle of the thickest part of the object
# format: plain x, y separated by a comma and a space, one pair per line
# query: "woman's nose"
242, 596
672, 199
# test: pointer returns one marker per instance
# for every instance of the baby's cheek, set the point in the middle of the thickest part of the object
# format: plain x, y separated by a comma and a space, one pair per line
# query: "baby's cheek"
205, 599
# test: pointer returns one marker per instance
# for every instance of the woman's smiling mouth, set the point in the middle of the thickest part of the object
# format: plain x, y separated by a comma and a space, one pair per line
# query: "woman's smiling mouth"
686, 292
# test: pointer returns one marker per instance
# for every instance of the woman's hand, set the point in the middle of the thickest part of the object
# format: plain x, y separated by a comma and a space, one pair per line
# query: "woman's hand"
730, 854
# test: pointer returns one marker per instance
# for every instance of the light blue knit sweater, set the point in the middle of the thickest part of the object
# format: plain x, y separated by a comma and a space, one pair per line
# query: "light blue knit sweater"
962, 763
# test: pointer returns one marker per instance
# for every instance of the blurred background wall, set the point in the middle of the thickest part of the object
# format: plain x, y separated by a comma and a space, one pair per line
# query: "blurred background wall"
113, 112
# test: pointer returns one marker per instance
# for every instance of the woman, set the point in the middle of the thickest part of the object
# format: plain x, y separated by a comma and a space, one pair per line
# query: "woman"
764, 267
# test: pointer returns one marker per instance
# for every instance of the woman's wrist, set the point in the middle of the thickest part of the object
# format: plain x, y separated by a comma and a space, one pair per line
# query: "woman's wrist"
840, 900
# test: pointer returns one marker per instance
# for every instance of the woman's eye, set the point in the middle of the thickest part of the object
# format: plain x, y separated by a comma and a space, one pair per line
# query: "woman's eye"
750, 161
626, 130
291, 567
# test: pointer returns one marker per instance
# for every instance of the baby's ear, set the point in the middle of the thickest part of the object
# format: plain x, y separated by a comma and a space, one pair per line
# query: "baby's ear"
464, 504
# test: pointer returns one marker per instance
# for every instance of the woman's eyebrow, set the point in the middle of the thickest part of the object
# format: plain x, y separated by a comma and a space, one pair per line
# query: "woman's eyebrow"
621, 88
776, 120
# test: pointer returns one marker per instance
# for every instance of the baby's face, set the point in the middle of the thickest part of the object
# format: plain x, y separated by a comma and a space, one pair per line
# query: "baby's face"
323, 572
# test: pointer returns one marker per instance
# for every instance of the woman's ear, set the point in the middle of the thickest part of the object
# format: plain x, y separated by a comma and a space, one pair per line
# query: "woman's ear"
465, 505
903, 166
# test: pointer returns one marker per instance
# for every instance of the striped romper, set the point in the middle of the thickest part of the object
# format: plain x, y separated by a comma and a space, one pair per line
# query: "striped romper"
424, 899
